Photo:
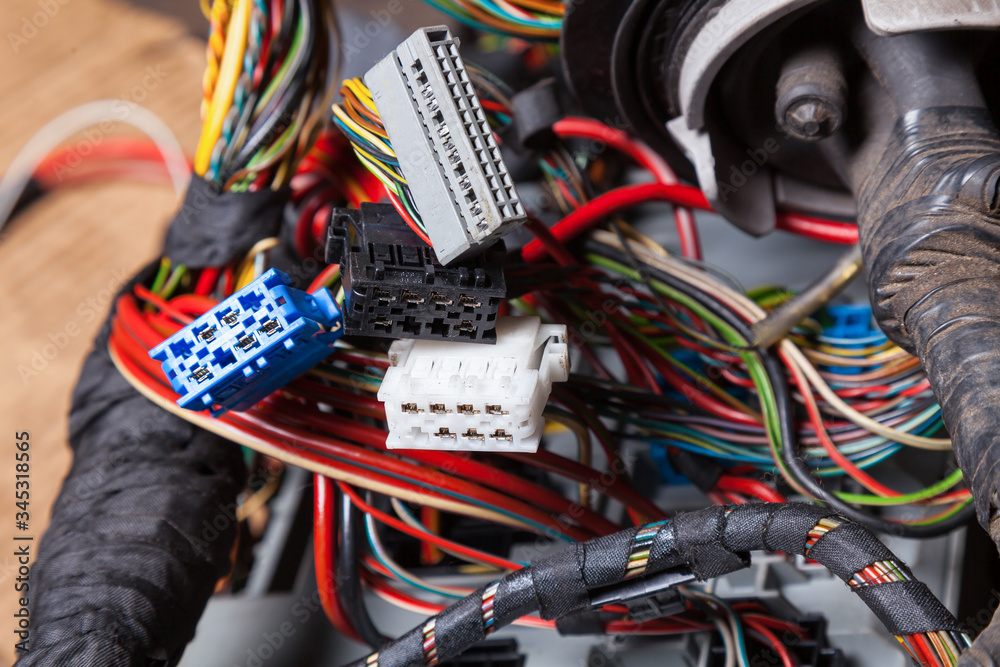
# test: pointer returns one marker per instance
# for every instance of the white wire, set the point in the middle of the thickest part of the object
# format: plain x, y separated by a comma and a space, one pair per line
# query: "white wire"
67, 124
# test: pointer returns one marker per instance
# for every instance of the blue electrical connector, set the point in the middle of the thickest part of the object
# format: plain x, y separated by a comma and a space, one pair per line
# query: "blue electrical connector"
253, 343
850, 326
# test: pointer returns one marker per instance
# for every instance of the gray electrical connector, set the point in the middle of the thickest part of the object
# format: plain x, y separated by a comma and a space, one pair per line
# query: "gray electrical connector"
445, 147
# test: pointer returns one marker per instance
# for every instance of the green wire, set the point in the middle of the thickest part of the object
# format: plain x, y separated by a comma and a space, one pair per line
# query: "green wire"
769, 405
934, 490
958, 508
161, 276
174, 281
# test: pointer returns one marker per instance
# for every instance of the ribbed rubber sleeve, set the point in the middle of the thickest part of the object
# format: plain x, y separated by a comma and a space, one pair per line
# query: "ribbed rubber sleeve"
931, 239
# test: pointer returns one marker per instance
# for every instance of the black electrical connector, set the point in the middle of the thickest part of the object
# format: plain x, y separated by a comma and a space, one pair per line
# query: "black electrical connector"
396, 288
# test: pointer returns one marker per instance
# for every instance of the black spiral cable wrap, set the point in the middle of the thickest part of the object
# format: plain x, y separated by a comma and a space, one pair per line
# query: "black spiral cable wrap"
709, 543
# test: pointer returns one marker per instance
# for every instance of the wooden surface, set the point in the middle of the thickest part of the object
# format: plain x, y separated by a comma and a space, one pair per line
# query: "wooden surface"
61, 261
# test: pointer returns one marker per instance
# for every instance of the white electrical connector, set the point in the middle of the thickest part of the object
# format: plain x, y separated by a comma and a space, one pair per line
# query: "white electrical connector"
456, 396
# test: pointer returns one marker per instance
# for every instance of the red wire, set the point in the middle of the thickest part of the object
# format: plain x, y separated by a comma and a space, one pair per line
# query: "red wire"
776, 644
410, 222
143, 293
831, 449
324, 277
516, 487
749, 487
927, 653
325, 554
589, 128
550, 243
130, 317
398, 472
598, 209
207, 281
434, 539
431, 609
817, 228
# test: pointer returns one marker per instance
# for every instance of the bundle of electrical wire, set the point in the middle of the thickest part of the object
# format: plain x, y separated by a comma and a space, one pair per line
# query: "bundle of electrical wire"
264, 91
692, 382
358, 119
709, 543
527, 19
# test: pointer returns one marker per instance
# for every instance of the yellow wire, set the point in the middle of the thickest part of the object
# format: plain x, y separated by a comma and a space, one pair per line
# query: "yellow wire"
361, 91
582, 436
362, 132
371, 163
245, 273
222, 98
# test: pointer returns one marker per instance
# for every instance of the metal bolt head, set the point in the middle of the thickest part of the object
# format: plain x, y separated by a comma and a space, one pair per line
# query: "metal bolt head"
811, 119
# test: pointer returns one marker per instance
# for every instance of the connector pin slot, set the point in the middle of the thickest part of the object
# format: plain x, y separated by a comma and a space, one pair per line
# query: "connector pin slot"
231, 318
473, 434
467, 409
201, 374
439, 409
469, 301
501, 434
444, 432
412, 297
247, 342
269, 327
495, 410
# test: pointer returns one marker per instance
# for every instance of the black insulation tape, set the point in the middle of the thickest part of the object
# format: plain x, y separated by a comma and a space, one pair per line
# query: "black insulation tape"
606, 558
139, 534
462, 627
699, 542
143, 525
711, 540
663, 552
406, 651
702, 471
559, 583
848, 549
536, 110
789, 527
907, 607
515, 597
212, 228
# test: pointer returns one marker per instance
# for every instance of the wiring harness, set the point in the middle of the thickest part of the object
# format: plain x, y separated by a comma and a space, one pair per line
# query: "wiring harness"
709, 543
754, 395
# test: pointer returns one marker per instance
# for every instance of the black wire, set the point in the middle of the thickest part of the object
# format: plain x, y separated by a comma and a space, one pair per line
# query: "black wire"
789, 436
348, 580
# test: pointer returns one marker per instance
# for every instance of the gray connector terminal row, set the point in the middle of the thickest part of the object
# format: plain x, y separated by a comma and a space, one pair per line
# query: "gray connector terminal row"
444, 144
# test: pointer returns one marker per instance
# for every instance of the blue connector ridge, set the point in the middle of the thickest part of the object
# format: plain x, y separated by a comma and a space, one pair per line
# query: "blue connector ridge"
251, 344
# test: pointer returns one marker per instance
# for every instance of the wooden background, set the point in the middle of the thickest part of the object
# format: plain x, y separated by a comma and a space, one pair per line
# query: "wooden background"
61, 261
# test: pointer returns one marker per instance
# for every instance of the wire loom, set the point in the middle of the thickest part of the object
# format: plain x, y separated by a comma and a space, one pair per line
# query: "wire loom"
709, 542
